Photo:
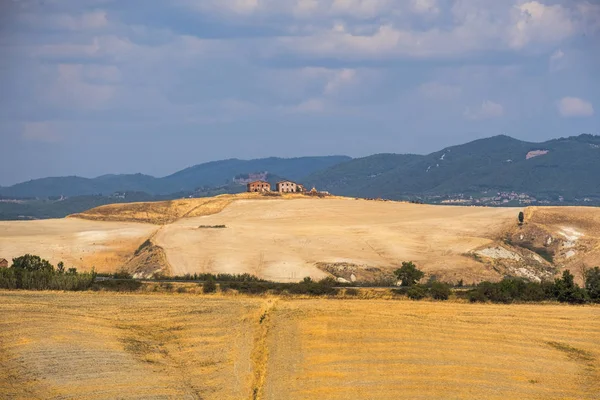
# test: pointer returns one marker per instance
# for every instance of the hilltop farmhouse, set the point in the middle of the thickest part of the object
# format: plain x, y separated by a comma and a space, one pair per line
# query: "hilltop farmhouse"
3, 263
281, 187
259, 186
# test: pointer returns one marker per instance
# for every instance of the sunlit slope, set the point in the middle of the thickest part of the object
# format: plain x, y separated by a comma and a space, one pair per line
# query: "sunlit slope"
176, 346
79, 243
284, 240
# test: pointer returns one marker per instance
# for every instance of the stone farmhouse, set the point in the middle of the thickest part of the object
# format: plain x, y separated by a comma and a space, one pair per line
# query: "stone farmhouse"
281, 187
259, 186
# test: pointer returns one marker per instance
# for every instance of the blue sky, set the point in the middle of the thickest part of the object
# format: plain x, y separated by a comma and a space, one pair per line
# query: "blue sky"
91, 87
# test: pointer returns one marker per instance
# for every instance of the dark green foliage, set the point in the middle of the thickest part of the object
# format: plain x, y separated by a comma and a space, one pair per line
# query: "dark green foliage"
439, 291
33, 273
521, 217
31, 263
592, 284
301, 288
416, 292
566, 291
409, 274
212, 227
215, 277
209, 286
117, 286
60, 267
122, 274
511, 290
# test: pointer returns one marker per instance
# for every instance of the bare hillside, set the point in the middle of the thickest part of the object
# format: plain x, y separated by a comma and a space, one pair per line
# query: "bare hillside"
287, 238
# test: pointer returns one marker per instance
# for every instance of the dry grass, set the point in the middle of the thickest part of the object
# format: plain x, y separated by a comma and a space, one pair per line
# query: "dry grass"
107, 346
285, 240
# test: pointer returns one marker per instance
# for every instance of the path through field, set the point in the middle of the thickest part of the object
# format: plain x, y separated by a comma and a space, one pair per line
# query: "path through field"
179, 346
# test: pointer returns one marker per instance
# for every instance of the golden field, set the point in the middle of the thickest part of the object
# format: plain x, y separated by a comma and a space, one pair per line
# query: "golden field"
289, 237
180, 346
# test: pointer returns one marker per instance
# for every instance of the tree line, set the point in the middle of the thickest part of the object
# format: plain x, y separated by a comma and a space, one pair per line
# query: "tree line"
508, 290
31, 272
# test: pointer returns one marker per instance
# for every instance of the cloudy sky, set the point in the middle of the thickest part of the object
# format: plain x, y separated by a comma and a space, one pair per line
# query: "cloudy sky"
90, 87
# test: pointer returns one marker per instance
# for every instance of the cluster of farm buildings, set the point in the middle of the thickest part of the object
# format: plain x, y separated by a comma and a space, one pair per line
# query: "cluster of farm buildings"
281, 187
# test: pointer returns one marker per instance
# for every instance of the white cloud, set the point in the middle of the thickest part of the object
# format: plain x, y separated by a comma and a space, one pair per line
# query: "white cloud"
537, 22
487, 110
557, 61
575, 107
340, 79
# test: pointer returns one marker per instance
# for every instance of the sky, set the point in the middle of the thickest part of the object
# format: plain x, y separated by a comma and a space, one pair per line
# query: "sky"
91, 87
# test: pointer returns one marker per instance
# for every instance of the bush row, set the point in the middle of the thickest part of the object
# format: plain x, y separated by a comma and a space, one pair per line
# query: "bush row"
32, 273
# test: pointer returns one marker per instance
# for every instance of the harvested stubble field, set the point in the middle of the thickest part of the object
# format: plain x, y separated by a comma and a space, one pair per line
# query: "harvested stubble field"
180, 346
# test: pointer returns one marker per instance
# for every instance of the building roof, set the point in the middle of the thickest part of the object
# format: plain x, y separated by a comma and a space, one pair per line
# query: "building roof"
3, 260
286, 181
258, 182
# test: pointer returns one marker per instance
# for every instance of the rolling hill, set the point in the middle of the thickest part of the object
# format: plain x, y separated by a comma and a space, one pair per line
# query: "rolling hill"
211, 174
565, 167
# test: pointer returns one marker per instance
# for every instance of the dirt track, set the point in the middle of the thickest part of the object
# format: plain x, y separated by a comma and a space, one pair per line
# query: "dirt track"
177, 346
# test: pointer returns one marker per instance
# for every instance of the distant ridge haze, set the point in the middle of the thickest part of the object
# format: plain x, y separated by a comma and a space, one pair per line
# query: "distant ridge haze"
566, 166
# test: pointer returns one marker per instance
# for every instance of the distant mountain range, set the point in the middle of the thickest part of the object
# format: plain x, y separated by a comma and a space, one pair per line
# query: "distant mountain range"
566, 167
559, 171
211, 174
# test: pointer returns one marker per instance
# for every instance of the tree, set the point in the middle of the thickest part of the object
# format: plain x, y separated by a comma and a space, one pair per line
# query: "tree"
440, 291
408, 274
60, 267
209, 286
416, 292
521, 218
32, 263
592, 284
566, 291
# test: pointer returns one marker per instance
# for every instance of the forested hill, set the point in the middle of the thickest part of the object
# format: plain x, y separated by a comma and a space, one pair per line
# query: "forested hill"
211, 174
566, 167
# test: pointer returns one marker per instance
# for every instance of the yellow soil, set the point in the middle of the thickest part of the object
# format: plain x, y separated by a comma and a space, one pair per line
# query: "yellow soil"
283, 240
107, 346
166, 212
79, 243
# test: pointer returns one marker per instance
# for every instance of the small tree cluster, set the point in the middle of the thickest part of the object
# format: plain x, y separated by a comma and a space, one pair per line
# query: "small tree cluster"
34, 273
563, 289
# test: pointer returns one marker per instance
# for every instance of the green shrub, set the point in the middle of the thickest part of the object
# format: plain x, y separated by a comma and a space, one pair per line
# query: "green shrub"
409, 274
416, 292
592, 284
209, 286
117, 286
122, 274
439, 291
